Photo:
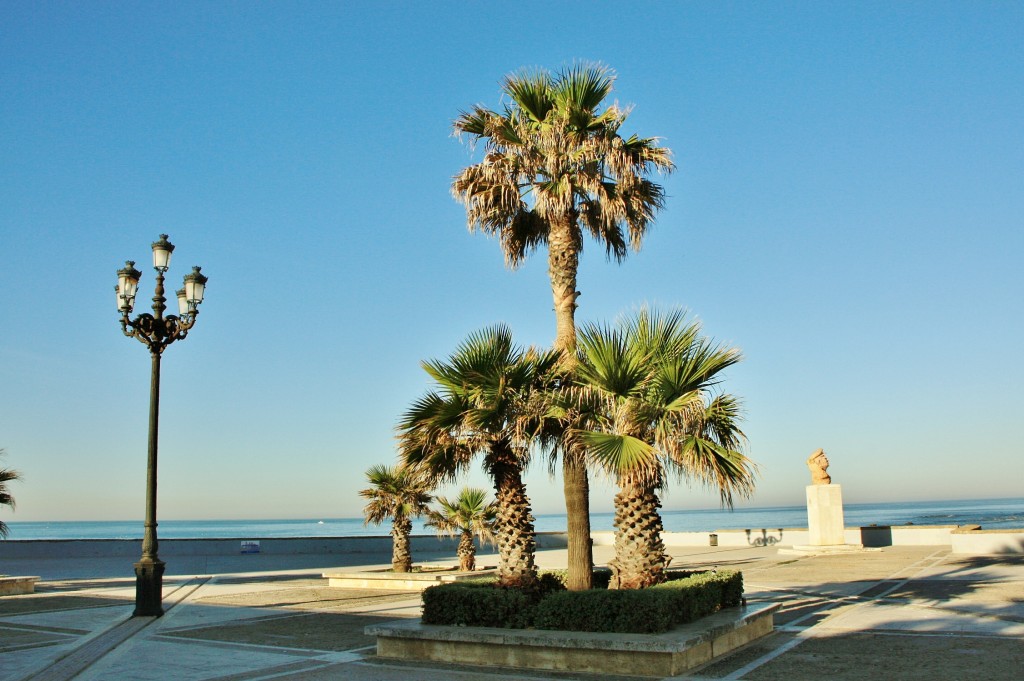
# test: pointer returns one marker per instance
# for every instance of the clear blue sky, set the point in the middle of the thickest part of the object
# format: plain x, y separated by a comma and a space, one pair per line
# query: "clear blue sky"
848, 209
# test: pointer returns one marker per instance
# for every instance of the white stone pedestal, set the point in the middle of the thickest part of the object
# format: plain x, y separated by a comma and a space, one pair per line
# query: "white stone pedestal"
825, 515
825, 525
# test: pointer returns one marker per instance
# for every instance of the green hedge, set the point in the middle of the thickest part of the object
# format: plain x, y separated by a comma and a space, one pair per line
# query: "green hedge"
468, 604
639, 611
684, 598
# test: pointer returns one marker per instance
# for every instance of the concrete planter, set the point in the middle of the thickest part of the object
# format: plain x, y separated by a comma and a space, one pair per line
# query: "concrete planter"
669, 654
14, 586
400, 581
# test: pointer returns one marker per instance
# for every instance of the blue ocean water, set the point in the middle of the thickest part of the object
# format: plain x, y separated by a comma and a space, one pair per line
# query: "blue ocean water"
989, 513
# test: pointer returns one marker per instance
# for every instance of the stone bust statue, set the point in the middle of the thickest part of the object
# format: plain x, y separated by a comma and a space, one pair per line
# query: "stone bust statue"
818, 463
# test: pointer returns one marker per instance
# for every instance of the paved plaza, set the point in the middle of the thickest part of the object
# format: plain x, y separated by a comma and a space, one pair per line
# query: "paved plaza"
895, 613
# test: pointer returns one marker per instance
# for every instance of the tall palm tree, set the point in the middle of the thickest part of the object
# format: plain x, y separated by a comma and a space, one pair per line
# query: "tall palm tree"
648, 390
400, 493
555, 166
475, 410
467, 515
6, 498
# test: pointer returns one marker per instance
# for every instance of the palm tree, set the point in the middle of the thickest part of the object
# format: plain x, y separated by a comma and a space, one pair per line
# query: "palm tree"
555, 165
476, 410
6, 498
467, 515
401, 494
648, 391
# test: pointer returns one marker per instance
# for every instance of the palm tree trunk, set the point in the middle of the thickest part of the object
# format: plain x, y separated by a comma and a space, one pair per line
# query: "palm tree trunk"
466, 552
576, 488
401, 554
640, 556
563, 263
516, 543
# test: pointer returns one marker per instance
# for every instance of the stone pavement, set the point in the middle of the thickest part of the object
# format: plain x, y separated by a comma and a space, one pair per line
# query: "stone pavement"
898, 613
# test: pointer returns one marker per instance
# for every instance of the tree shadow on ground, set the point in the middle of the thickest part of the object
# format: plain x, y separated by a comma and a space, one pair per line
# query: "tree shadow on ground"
965, 623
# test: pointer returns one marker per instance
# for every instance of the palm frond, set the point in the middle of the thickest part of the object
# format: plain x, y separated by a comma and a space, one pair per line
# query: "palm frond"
581, 89
474, 122
531, 91
610, 362
468, 512
620, 454
395, 492
555, 155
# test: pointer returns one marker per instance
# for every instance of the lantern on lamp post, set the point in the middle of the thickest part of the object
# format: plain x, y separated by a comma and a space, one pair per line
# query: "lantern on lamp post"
156, 332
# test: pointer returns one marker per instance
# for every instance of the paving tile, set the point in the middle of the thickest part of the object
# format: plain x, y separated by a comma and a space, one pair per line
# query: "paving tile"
313, 631
159, 659
903, 612
905, 657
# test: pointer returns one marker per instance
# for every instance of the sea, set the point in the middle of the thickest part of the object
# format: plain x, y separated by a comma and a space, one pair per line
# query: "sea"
989, 513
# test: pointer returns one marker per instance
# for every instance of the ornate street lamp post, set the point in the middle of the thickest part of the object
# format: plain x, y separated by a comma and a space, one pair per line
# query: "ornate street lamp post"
156, 332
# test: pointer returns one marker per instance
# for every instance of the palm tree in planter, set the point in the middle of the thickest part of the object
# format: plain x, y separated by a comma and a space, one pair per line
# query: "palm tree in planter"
468, 515
476, 410
400, 493
648, 392
555, 167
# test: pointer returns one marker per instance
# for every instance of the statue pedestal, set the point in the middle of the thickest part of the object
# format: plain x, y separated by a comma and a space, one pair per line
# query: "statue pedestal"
825, 525
825, 515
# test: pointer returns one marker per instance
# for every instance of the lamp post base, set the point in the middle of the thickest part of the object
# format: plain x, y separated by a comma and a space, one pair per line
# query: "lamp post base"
149, 586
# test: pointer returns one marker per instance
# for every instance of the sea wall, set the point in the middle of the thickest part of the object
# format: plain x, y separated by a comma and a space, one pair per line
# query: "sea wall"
966, 539
132, 548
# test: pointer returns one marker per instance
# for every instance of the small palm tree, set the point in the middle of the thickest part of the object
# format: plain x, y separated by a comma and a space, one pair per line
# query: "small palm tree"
647, 391
467, 515
6, 498
400, 493
556, 166
475, 411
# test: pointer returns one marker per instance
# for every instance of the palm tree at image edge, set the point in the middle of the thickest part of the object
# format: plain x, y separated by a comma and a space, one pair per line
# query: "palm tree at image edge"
6, 498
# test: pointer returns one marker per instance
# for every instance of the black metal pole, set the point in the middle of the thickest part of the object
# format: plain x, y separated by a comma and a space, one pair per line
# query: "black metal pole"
149, 571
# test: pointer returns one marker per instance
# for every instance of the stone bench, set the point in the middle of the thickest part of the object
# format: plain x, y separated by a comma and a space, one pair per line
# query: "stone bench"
668, 654
13, 586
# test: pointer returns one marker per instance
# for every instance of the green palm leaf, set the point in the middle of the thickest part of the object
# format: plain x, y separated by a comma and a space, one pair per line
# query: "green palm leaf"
621, 454
6, 498
531, 91
580, 90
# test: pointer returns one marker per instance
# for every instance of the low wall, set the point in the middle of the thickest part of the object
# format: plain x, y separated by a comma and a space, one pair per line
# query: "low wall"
969, 539
962, 538
975, 541
132, 548
16, 586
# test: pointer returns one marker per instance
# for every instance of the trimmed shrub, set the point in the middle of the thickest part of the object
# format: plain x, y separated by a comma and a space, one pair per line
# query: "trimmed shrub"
477, 604
699, 594
481, 603
640, 611
601, 577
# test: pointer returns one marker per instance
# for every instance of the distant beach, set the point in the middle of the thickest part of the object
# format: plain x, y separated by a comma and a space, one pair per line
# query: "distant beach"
989, 513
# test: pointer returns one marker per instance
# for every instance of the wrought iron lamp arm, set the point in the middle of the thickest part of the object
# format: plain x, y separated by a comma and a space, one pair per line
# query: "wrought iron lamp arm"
157, 333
